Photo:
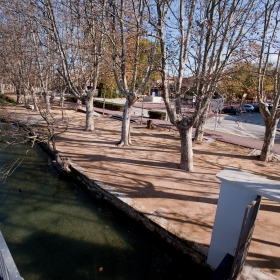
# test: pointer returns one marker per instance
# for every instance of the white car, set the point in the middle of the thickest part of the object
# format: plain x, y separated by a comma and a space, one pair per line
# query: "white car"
248, 108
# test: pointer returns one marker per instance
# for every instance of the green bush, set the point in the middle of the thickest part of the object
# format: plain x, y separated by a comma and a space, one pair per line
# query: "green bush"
108, 105
99, 103
109, 93
71, 98
6, 99
157, 115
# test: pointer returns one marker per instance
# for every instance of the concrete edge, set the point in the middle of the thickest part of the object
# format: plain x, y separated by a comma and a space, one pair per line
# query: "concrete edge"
136, 211
149, 220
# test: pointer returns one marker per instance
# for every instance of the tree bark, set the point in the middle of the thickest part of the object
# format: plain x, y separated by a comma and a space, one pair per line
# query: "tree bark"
199, 132
34, 99
61, 100
125, 135
18, 93
269, 137
47, 101
26, 99
186, 162
18, 98
89, 113
52, 96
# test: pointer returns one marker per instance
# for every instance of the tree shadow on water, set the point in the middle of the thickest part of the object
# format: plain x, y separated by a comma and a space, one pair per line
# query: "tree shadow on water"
46, 256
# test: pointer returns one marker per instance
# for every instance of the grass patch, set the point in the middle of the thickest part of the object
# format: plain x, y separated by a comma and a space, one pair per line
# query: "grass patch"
5, 100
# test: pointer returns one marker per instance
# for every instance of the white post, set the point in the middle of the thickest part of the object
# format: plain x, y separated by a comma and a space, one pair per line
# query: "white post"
238, 189
216, 120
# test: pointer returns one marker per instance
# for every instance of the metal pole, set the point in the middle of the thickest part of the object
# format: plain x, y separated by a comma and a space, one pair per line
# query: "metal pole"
216, 120
103, 103
142, 110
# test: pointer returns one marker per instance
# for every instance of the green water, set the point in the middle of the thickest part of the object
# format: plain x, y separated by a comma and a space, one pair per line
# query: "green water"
55, 230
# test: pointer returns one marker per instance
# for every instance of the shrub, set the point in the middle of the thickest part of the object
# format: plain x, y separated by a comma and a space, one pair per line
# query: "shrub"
99, 103
157, 115
71, 98
108, 105
109, 93
6, 99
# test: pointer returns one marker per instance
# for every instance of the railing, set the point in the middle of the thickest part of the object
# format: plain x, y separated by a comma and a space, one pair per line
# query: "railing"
4, 274
8, 269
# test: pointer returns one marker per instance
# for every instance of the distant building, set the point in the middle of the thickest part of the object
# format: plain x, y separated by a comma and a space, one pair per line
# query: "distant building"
157, 87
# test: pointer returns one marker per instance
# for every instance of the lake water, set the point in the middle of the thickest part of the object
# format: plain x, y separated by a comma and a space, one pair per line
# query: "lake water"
55, 230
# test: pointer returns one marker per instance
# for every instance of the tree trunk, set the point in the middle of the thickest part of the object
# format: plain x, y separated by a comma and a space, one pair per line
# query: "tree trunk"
125, 136
26, 99
34, 99
269, 138
61, 101
89, 113
186, 147
78, 104
52, 96
47, 101
199, 132
18, 93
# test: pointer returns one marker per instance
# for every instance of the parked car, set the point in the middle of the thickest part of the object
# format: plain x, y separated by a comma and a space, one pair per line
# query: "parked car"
248, 107
231, 110
256, 107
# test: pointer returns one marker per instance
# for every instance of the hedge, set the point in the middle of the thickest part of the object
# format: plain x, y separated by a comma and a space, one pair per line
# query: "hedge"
99, 104
71, 98
6, 99
157, 115
108, 105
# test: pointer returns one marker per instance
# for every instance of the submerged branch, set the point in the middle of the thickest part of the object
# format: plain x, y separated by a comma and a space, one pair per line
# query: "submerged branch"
8, 169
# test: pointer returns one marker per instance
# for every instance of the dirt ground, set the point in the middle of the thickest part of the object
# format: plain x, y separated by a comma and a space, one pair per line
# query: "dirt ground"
148, 173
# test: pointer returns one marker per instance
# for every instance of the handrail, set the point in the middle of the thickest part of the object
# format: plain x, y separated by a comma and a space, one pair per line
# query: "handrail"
4, 274
8, 269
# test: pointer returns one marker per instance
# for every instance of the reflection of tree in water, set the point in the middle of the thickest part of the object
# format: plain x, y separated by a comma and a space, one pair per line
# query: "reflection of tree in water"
6, 138
11, 134
15, 130
8, 169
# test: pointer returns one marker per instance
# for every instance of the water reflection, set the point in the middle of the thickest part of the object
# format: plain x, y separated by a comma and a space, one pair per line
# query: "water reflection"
57, 231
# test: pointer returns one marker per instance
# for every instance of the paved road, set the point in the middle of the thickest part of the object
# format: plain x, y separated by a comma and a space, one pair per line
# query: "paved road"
245, 125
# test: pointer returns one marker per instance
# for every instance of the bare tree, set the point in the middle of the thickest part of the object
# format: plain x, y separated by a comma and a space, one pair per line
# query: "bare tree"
197, 39
128, 34
17, 56
269, 37
80, 58
9, 56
